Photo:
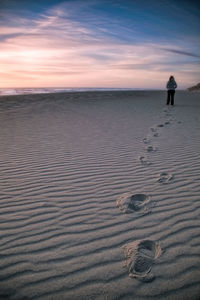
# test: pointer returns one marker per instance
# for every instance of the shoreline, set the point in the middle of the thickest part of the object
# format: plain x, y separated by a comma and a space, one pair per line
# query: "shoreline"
95, 92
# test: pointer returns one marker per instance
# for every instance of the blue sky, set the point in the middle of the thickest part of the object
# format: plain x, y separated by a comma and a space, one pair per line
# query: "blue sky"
99, 43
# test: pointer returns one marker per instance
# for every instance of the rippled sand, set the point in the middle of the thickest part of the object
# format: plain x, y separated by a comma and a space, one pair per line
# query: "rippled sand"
70, 166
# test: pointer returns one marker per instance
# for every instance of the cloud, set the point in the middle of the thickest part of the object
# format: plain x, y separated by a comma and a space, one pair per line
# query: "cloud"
135, 66
5, 37
70, 44
176, 51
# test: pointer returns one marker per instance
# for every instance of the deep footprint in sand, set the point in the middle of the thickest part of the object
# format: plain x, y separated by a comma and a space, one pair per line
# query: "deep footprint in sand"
153, 129
165, 177
144, 161
156, 134
129, 203
140, 256
150, 149
146, 140
160, 125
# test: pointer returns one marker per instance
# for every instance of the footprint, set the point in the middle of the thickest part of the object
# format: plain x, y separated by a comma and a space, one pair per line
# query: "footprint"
146, 140
165, 177
150, 149
160, 125
167, 122
153, 129
129, 203
179, 122
140, 256
156, 134
144, 161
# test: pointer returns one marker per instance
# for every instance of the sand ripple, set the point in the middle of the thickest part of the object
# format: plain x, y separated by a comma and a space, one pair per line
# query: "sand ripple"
64, 160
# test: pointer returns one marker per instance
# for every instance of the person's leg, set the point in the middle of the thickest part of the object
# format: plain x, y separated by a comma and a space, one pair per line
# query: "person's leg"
168, 97
172, 97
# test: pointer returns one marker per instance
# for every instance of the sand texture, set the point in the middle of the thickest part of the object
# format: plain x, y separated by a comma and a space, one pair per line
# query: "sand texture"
100, 196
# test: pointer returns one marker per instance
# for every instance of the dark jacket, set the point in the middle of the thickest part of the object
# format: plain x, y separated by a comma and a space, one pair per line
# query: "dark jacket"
171, 84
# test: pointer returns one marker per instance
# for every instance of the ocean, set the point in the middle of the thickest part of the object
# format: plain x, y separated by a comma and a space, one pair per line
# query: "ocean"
22, 91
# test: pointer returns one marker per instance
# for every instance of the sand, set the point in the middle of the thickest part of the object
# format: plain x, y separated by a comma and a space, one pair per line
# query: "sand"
100, 196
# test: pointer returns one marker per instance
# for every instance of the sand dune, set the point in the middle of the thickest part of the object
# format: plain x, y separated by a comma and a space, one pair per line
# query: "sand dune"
70, 165
195, 88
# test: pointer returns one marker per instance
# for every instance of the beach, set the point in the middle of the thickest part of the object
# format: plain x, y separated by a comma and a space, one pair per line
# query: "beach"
99, 196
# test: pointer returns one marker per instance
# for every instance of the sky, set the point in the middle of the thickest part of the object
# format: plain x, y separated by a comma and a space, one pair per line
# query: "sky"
99, 43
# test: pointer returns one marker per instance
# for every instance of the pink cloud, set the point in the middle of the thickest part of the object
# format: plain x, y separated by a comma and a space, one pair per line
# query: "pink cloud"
55, 51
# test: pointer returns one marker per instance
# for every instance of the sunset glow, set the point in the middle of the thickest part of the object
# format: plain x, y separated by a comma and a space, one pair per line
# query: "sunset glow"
98, 43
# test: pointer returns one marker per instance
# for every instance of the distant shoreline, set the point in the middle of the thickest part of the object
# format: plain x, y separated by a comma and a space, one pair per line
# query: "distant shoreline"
41, 91
25, 91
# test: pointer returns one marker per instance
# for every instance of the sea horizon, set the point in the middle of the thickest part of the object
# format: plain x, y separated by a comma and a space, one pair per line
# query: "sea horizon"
47, 90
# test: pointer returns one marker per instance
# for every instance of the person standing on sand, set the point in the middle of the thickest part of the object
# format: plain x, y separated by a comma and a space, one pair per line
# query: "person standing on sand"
171, 86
